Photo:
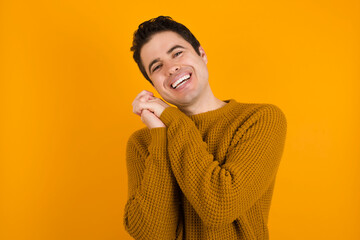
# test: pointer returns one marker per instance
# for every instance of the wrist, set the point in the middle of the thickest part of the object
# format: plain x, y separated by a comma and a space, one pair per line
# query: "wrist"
157, 125
161, 110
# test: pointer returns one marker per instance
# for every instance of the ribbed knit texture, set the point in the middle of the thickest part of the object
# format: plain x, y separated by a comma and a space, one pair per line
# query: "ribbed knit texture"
206, 176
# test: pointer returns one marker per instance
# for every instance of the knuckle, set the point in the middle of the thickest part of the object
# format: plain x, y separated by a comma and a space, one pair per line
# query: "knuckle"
144, 92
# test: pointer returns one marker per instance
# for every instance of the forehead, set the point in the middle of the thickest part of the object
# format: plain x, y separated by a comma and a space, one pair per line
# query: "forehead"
159, 44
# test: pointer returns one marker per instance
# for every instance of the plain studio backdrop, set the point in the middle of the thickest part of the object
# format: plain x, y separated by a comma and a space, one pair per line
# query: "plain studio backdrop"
67, 80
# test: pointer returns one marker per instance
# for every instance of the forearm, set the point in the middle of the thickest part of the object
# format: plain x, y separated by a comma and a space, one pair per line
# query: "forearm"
219, 193
152, 209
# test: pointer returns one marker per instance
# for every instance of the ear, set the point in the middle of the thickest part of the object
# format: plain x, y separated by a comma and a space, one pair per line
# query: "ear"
203, 54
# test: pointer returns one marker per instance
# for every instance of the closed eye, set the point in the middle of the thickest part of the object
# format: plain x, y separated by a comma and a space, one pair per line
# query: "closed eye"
156, 68
178, 53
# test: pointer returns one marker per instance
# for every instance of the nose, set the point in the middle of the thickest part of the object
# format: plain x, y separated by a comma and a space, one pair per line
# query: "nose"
173, 68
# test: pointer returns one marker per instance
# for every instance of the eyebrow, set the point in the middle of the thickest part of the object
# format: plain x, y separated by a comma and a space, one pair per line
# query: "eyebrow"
168, 52
173, 48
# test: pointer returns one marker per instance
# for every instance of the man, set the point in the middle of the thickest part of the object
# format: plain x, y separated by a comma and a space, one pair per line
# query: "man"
204, 169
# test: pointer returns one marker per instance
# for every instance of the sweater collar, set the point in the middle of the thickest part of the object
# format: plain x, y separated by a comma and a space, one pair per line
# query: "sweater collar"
213, 114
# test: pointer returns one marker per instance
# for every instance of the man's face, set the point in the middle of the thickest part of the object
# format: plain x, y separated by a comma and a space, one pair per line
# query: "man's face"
178, 73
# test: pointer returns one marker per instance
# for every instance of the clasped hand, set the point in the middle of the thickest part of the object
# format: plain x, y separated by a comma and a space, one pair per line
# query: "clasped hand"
149, 108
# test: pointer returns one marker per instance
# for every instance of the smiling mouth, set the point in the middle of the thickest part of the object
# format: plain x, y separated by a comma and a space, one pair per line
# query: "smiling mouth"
181, 81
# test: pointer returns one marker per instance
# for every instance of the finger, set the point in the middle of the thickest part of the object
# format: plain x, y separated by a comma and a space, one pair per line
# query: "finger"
139, 107
145, 98
155, 99
143, 94
148, 92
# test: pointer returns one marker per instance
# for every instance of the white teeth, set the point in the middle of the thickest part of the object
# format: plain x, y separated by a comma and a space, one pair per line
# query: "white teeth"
175, 84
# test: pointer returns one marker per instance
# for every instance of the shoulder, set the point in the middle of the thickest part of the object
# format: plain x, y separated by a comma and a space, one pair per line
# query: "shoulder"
256, 111
271, 113
268, 113
265, 119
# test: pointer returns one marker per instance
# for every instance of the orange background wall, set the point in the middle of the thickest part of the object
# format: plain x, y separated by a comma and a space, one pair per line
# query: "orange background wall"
67, 80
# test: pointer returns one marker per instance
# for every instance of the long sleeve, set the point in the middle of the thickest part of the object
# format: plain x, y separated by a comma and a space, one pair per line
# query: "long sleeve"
220, 193
152, 210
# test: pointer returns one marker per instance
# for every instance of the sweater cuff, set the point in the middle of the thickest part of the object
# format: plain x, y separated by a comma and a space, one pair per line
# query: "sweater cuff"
169, 114
158, 137
157, 147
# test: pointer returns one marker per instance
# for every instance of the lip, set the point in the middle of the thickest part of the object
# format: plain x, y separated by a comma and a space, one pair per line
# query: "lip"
178, 76
184, 85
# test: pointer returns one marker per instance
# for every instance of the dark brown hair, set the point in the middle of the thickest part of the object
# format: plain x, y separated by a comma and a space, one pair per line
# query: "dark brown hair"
155, 25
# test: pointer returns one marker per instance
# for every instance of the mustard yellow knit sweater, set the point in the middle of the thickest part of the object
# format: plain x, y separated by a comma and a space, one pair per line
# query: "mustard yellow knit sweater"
206, 176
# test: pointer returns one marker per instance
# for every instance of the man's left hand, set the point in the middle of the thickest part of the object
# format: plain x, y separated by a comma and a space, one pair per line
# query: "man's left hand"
146, 100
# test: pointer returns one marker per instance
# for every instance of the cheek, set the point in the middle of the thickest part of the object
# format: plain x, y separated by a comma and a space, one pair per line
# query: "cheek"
155, 80
202, 68
158, 84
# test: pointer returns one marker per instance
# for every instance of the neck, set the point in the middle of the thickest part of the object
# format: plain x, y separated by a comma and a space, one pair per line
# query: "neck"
204, 104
